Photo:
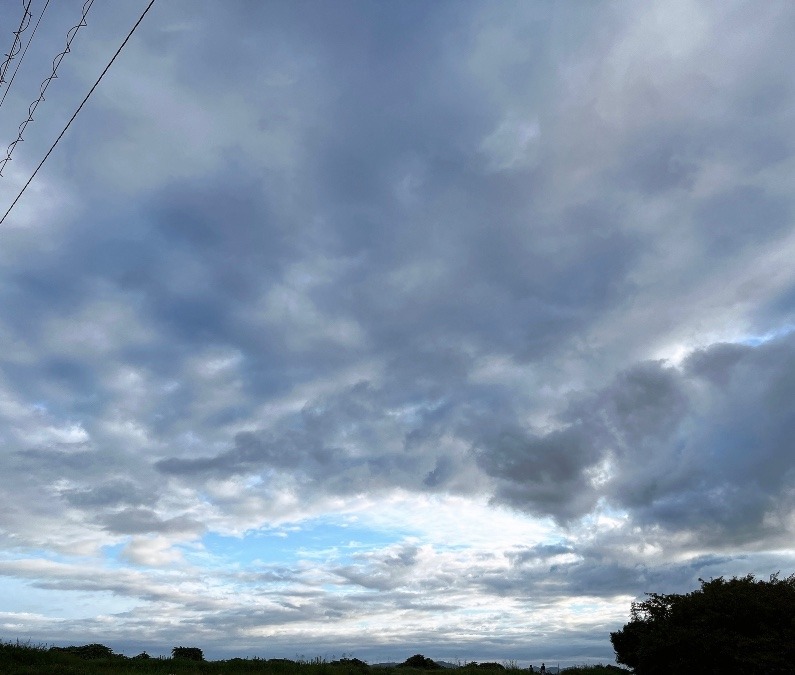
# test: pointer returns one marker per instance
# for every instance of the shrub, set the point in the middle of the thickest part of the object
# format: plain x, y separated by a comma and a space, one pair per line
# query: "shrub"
421, 662
23, 653
187, 653
351, 664
88, 652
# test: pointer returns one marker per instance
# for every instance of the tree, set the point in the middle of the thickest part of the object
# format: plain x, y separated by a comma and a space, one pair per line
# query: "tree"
353, 665
187, 653
421, 662
733, 626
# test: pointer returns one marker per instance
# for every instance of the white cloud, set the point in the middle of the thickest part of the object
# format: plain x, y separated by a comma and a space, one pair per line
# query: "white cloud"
152, 552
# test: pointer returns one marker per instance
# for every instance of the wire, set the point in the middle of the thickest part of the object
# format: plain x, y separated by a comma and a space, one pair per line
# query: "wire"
25, 51
17, 33
56, 62
72, 119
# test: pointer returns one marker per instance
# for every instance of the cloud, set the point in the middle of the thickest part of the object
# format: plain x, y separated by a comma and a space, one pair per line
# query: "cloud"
650, 441
504, 290
136, 521
152, 552
386, 572
111, 493
701, 447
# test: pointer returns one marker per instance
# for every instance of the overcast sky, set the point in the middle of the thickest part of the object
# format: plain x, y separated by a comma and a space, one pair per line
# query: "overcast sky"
392, 327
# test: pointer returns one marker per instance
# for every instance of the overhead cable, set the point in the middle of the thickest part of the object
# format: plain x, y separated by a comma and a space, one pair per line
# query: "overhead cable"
15, 47
56, 62
79, 108
24, 51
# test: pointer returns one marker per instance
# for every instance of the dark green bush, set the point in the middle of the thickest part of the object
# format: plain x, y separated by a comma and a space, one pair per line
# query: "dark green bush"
352, 665
88, 652
22, 653
421, 662
187, 653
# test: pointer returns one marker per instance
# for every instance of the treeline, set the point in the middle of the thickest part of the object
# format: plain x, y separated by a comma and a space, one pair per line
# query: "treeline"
26, 659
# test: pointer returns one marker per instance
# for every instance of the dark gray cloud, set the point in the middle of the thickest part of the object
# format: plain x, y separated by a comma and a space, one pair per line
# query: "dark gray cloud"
142, 520
704, 447
545, 474
113, 493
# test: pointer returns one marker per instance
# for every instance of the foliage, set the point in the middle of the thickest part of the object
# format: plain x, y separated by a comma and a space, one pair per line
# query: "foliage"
187, 653
352, 666
488, 665
597, 669
421, 662
733, 626
283, 665
27, 659
89, 652
21, 653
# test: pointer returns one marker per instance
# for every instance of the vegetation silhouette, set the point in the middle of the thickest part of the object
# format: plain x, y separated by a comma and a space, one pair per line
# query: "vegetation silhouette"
27, 659
420, 662
89, 652
187, 653
736, 626
488, 665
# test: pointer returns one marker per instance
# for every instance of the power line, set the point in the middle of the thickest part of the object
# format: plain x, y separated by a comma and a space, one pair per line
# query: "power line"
15, 45
56, 62
25, 51
88, 95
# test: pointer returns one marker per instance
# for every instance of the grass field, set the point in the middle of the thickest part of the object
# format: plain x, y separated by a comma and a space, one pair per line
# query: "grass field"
27, 659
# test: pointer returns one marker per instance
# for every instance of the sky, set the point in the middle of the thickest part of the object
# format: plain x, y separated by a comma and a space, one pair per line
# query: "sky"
383, 328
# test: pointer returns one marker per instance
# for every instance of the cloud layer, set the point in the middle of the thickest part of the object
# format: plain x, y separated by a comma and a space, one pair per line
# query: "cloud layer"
439, 327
